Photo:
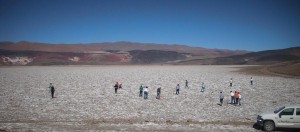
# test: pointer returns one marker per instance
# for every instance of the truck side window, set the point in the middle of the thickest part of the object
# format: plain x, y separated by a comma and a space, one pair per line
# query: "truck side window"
298, 112
288, 111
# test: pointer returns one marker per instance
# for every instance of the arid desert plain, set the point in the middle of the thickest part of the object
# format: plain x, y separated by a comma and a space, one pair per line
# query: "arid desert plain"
85, 98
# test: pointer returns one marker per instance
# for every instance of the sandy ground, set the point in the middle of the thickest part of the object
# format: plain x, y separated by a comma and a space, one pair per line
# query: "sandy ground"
85, 98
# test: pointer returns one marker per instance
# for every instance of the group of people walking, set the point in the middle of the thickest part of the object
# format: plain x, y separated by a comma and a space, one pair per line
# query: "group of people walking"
235, 97
144, 90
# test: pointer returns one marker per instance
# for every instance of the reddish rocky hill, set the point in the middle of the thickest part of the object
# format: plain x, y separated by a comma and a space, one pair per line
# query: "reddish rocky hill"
117, 46
28, 53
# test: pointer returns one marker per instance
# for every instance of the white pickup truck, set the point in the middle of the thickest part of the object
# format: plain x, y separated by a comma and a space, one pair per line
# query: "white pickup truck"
284, 117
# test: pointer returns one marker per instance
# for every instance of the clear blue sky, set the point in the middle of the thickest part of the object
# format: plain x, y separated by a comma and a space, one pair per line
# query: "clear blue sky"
227, 24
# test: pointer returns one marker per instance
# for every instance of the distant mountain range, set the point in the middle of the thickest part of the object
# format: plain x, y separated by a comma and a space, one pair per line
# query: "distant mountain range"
29, 53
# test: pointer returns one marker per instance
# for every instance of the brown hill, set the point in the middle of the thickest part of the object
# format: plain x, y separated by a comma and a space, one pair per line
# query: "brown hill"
284, 69
29, 53
253, 58
117, 46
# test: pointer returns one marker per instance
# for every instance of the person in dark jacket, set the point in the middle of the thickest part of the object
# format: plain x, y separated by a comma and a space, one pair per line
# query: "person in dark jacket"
158, 93
141, 91
177, 89
116, 87
221, 98
202, 87
186, 84
52, 90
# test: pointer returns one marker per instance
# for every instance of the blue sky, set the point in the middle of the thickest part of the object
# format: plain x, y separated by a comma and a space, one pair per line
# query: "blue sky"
253, 25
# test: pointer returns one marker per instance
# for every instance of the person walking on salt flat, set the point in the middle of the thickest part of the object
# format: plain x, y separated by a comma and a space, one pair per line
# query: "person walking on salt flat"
202, 87
141, 90
221, 98
158, 93
251, 81
177, 89
52, 90
232, 97
230, 82
146, 92
240, 97
186, 84
236, 96
117, 86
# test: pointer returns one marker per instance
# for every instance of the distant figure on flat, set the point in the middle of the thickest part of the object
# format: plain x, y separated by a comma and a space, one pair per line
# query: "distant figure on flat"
158, 93
146, 92
117, 86
251, 81
221, 98
141, 90
232, 98
240, 98
231, 82
52, 90
202, 87
186, 84
236, 96
177, 89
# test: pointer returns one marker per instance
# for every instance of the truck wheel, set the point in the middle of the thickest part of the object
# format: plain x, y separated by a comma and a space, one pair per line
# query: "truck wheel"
269, 126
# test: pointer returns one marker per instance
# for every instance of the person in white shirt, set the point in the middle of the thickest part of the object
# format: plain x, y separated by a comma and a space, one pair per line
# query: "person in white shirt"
231, 82
251, 81
146, 92
232, 97
240, 97
177, 89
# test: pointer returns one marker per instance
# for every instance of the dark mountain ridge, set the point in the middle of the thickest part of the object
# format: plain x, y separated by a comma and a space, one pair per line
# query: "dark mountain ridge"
28, 53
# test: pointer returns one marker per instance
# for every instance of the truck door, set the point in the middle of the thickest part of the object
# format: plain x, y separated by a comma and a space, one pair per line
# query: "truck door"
286, 118
297, 118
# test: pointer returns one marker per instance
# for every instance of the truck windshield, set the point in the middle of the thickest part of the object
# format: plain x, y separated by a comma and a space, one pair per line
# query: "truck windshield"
281, 108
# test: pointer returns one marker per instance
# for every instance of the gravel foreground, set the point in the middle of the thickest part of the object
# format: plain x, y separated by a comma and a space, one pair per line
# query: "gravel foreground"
85, 98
